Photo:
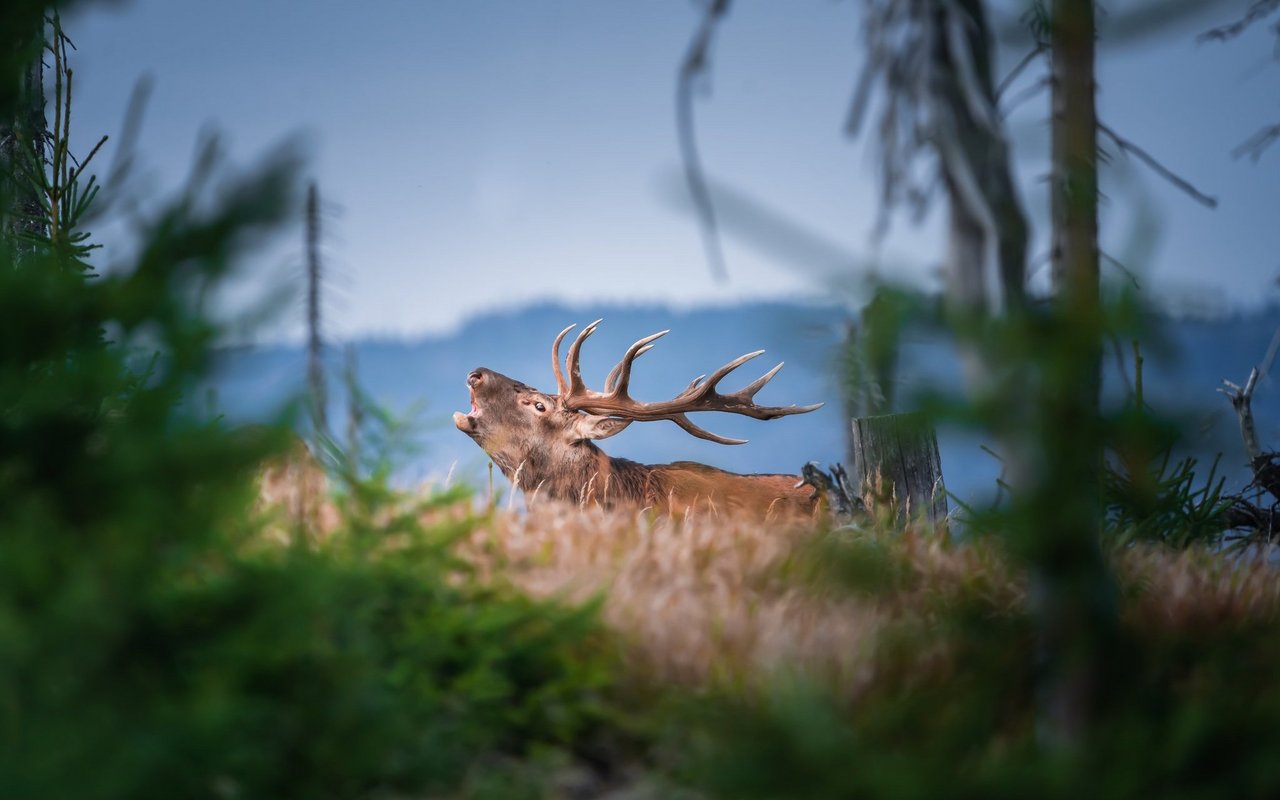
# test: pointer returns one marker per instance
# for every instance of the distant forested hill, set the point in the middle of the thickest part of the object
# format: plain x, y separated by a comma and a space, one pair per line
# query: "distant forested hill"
428, 374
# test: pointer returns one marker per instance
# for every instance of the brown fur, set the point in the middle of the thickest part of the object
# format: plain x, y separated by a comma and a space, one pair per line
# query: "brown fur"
549, 455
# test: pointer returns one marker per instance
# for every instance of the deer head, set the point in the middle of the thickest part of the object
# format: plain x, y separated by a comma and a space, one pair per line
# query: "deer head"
543, 442
528, 432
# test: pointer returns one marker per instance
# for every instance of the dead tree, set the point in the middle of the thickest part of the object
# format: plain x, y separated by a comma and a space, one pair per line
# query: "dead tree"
940, 127
1261, 521
894, 457
939, 123
315, 344
897, 465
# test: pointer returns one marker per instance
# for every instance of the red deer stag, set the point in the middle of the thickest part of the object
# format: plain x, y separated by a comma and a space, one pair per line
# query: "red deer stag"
543, 442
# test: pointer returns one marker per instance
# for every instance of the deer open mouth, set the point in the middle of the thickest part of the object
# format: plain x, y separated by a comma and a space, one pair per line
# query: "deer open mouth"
467, 422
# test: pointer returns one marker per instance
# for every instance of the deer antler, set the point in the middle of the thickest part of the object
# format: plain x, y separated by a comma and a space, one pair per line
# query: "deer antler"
701, 394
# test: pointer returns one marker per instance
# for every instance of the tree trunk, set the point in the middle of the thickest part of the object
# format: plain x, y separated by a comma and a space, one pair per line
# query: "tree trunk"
1074, 199
895, 458
1072, 594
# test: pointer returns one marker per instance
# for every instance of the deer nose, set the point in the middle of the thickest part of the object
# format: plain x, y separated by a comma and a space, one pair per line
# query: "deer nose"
475, 377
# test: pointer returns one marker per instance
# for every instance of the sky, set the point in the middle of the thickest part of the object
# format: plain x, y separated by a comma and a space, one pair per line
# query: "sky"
486, 154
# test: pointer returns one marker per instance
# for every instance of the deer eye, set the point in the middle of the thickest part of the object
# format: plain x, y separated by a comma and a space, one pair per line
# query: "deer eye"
540, 407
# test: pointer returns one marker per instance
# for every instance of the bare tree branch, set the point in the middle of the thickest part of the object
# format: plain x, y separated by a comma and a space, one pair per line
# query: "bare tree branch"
1257, 144
975, 92
1169, 175
1025, 95
1002, 482
1270, 357
1115, 262
1259, 10
695, 65
126, 147
1036, 52
862, 95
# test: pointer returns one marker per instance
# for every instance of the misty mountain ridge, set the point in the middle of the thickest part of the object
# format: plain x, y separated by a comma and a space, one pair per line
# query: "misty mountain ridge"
427, 375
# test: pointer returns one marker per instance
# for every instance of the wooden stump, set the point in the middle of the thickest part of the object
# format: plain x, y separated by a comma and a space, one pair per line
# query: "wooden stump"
897, 454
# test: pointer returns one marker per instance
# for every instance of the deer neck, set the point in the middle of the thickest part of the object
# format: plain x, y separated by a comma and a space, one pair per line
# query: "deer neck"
580, 473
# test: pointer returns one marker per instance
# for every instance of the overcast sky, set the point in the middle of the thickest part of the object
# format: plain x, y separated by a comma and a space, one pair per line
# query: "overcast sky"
491, 153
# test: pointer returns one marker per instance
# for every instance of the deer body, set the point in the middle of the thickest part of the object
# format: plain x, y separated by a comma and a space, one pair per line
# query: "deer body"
543, 443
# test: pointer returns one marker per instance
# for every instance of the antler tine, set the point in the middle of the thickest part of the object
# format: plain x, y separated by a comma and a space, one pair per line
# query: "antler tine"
773, 412
620, 376
719, 374
576, 385
690, 428
749, 391
693, 383
746, 394
562, 387
611, 381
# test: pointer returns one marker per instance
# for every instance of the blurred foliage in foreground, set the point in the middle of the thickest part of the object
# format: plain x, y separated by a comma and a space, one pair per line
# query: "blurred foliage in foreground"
948, 704
149, 644
1100, 679
1116, 602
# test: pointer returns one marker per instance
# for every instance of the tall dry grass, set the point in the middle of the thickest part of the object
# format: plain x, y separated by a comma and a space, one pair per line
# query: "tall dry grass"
693, 599
733, 602
1196, 589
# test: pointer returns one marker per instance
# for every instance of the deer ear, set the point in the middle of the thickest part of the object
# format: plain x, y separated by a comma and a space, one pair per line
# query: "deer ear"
591, 426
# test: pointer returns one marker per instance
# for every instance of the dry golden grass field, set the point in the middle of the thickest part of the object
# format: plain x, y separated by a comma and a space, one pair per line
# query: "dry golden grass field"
735, 602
